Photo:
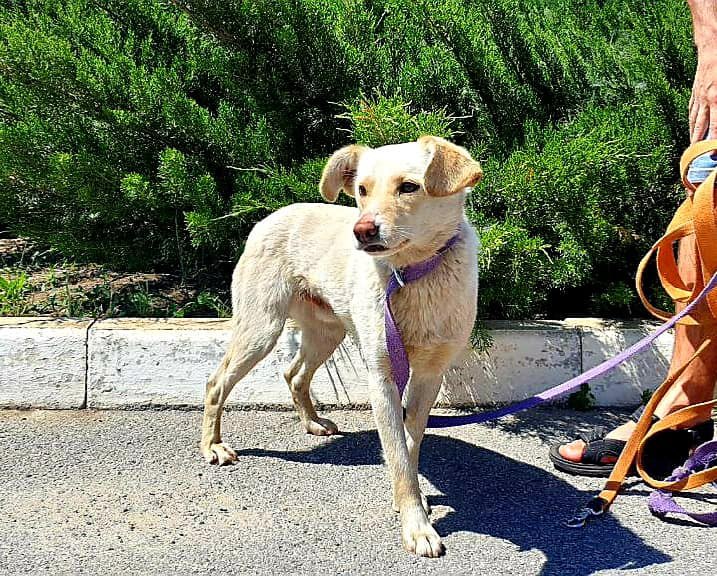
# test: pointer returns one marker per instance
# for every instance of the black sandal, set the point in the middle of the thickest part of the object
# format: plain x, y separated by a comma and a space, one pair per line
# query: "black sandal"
664, 452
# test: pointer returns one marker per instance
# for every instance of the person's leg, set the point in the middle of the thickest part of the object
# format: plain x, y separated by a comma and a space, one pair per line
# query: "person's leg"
697, 382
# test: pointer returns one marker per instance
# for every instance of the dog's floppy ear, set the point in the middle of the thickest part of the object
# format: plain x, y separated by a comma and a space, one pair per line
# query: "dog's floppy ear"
451, 168
340, 172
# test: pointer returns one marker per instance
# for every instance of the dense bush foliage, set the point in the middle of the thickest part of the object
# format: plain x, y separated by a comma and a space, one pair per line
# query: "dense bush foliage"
152, 134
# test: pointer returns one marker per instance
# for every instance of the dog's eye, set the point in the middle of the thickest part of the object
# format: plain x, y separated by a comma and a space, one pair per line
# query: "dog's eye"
362, 190
408, 187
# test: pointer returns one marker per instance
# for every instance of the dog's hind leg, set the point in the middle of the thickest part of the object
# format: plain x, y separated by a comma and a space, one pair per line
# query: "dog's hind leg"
318, 341
258, 324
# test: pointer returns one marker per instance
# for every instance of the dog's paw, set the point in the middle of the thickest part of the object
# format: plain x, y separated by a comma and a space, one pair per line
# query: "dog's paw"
422, 539
321, 427
220, 454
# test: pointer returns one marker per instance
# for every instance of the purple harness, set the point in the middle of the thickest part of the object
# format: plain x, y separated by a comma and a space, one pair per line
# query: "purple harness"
394, 342
400, 369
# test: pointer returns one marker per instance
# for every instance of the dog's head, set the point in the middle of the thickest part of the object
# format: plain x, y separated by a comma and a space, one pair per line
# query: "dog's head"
407, 194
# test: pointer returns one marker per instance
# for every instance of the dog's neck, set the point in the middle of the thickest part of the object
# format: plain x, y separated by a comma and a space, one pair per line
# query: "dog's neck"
412, 254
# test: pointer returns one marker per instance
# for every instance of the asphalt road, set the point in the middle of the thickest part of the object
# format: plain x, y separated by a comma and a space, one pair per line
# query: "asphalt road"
85, 492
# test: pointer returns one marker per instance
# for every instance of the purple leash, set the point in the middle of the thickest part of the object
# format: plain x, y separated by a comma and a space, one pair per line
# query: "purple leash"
399, 359
662, 503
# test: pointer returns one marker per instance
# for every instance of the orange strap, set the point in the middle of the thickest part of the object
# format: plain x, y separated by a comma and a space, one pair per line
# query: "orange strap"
635, 445
697, 215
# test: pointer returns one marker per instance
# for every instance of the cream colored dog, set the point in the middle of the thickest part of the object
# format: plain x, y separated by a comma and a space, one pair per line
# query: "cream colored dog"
326, 268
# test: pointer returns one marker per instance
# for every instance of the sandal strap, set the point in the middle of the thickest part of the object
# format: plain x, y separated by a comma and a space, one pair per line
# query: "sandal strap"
597, 450
595, 434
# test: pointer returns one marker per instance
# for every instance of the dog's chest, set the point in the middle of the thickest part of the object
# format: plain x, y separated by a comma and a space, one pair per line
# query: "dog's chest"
435, 309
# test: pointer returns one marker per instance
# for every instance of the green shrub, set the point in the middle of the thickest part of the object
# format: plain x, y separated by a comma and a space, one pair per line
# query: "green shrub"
12, 294
582, 400
572, 210
146, 134
380, 121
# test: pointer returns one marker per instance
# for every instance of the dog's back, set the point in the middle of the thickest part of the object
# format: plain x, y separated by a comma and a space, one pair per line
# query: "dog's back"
292, 247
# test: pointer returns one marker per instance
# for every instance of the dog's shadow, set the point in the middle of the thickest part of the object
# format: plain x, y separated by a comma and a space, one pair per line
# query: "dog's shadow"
495, 495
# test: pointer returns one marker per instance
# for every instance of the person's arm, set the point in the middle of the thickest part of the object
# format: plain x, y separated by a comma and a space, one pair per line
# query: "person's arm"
703, 103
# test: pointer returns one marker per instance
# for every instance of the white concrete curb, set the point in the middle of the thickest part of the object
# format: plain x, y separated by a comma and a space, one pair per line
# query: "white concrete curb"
43, 362
126, 363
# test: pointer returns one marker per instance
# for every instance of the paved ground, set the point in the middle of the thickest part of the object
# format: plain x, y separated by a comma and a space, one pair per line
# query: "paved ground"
108, 493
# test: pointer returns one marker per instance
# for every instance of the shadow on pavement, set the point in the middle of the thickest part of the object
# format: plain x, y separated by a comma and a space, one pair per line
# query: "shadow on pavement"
552, 424
500, 497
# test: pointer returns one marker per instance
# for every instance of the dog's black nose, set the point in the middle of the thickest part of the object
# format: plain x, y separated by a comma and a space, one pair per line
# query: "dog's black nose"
366, 230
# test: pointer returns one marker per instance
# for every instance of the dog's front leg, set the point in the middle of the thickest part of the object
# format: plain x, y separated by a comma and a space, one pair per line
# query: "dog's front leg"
417, 533
418, 399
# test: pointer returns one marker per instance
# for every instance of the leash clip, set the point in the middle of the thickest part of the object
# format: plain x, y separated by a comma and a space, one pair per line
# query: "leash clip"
594, 508
399, 277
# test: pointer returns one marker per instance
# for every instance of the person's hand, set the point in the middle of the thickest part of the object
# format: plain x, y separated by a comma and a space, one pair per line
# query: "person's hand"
703, 102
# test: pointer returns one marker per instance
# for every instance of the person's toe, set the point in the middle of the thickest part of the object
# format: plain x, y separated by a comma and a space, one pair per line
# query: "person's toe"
573, 451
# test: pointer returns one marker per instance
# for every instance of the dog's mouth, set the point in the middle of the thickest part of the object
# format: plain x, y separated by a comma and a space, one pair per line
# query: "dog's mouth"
377, 249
